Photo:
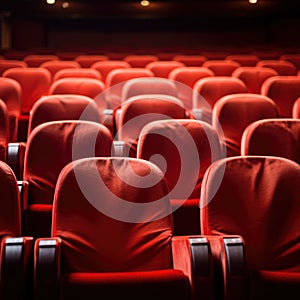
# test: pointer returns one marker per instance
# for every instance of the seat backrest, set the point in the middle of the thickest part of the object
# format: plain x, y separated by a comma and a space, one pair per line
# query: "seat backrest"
150, 85
282, 67
89, 87
78, 72
296, 109
257, 198
233, 113
10, 212
213, 88
8, 64
253, 77
86, 61
11, 95
139, 61
163, 68
122, 212
35, 60
284, 91
246, 60
221, 67
4, 130
292, 58
53, 145
63, 107
104, 67
276, 137
54, 66
190, 60
34, 82
186, 149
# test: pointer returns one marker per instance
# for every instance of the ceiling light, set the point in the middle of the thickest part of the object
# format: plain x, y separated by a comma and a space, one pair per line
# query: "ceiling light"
50, 1
145, 3
252, 1
65, 5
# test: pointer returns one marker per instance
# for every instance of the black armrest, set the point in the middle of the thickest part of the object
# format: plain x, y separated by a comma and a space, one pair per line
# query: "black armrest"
16, 268
15, 158
47, 268
23, 189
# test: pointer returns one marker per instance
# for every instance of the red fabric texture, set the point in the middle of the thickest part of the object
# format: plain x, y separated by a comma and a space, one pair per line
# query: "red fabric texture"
8, 64
245, 60
4, 130
284, 91
35, 83
221, 67
233, 113
163, 284
296, 109
96, 242
63, 107
277, 137
283, 68
190, 60
163, 68
258, 198
54, 66
139, 61
35, 60
86, 61
292, 58
78, 72
253, 77
10, 212
104, 67
213, 88
151, 85
89, 87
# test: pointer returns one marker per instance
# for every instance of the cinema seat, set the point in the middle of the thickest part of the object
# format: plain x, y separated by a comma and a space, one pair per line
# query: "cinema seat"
6, 64
233, 113
253, 193
54, 66
292, 58
163, 68
245, 60
254, 77
139, 61
121, 244
273, 137
296, 109
183, 150
86, 61
190, 60
50, 147
35, 60
283, 68
78, 72
221, 67
104, 67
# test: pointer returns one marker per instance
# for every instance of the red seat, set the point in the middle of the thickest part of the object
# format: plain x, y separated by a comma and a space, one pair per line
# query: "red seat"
63, 107
276, 137
284, 91
283, 68
253, 77
139, 61
86, 61
8, 64
50, 147
181, 149
245, 60
257, 197
122, 244
190, 60
296, 109
292, 58
54, 66
104, 67
163, 68
78, 72
4, 131
221, 67
233, 113
35, 60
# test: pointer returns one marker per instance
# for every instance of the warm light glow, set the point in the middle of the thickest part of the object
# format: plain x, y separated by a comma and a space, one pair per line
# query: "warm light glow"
65, 4
50, 1
252, 1
145, 3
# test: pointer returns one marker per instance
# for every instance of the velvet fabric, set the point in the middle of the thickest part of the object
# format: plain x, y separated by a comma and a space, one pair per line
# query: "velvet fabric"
35, 60
245, 60
78, 72
10, 63
190, 60
139, 61
86, 61
54, 66
163, 68
105, 66
296, 109
283, 68
4, 130
221, 67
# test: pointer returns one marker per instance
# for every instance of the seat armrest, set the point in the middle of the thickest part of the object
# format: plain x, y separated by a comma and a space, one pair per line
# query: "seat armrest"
202, 115
16, 268
192, 255
23, 190
121, 148
47, 268
108, 120
15, 158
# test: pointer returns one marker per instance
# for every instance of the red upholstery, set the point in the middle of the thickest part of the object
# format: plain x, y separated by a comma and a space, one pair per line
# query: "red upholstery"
163, 68
292, 58
187, 147
190, 60
246, 60
283, 68
276, 137
63, 107
139, 61
221, 67
213, 88
4, 130
78, 72
49, 148
258, 198
89, 87
267, 54
296, 109
284, 91
54, 66
186, 77
86, 61
233, 113
253, 77
10, 94
35, 60
151, 85
116, 79
8, 64
104, 67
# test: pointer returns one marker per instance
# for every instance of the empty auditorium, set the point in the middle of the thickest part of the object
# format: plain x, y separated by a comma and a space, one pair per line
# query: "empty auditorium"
149, 149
